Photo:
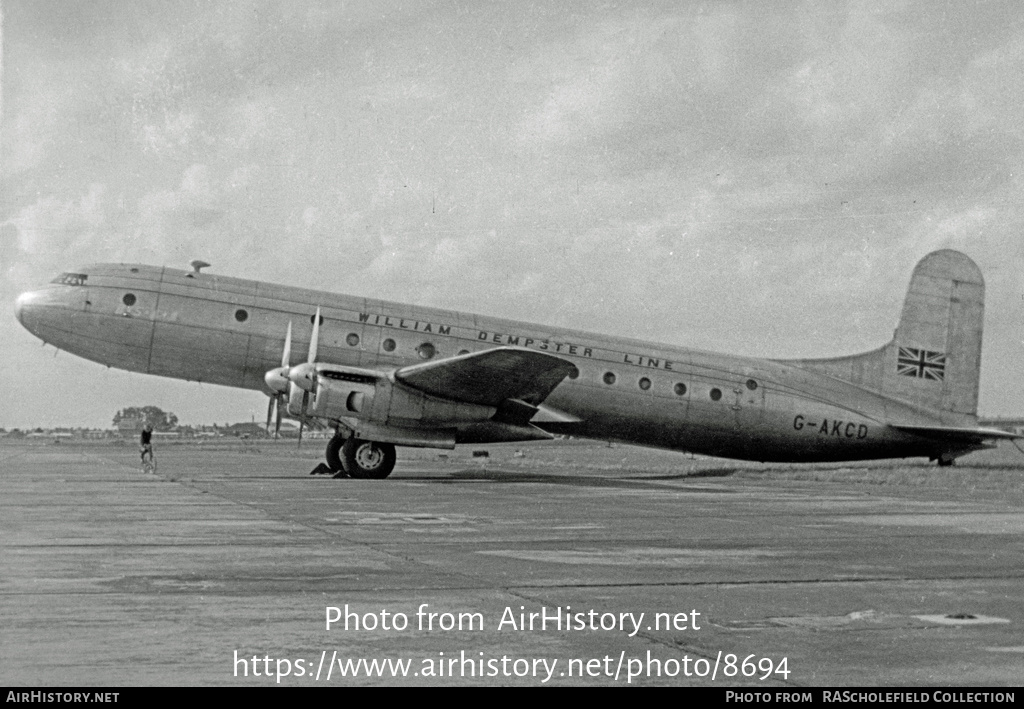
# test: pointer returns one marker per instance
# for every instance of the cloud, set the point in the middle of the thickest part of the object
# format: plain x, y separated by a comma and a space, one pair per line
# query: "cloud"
193, 204
50, 228
591, 84
53, 233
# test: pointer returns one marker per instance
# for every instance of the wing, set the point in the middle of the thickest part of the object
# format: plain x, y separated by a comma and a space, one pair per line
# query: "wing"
491, 377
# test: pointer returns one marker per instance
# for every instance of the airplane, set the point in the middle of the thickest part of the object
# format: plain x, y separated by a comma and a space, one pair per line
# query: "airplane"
384, 374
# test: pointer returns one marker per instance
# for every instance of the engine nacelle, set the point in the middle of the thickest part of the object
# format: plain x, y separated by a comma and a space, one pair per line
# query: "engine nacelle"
349, 392
294, 407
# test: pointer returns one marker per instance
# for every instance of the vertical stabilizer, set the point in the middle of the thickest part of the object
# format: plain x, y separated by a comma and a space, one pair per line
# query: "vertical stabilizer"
938, 340
934, 359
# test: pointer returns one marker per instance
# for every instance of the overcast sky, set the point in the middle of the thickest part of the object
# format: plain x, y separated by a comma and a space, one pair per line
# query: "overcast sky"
757, 178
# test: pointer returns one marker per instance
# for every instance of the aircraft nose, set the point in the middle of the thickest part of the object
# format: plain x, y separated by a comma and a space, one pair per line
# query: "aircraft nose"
29, 309
52, 314
21, 305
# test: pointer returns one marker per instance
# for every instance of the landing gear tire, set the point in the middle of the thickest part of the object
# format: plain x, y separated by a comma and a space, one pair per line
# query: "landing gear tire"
332, 454
367, 460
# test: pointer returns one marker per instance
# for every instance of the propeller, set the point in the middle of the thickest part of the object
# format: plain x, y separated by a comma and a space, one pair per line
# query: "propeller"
277, 381
275, 406
304, 375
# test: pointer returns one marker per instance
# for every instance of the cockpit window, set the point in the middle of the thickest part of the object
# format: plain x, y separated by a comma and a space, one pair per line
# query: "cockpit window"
71, 279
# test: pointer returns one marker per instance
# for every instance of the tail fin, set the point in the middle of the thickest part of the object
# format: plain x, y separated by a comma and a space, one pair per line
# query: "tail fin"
934, 359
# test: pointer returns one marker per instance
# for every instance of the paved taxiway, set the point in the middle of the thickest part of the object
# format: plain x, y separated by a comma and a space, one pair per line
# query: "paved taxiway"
114, 578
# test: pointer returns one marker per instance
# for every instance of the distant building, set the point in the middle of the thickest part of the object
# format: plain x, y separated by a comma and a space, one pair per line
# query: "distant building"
167, 434
245, 430
51, 435
130, 426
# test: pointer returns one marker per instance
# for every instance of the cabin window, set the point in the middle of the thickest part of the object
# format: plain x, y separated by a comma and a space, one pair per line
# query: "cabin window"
644, 383
129, 299
312, 319
751, 384
716, 394
426, 350
352, 339
609, 378
241, 315
388, 345
680, 389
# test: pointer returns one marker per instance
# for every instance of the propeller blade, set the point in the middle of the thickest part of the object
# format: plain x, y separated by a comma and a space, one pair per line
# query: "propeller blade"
277, 425
315, 338
302, 415
277, 379
287, 354
270, 411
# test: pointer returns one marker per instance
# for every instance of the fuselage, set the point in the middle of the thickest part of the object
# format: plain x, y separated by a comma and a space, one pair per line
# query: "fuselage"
209, 328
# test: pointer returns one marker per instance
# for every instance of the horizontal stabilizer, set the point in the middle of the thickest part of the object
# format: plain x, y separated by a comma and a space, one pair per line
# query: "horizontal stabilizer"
954, 433
490, 377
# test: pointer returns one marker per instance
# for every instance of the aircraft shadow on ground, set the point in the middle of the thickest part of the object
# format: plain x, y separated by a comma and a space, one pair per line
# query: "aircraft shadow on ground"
708, 473
641, 481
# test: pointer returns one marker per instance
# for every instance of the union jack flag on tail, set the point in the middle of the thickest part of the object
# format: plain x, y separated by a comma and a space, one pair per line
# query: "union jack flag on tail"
921, 364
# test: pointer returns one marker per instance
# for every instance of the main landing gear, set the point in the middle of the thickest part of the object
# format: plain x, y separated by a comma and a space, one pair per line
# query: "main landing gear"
363, 460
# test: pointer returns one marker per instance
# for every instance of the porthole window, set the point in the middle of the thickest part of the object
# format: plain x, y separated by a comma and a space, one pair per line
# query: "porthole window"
352, 339
241, 315
751, 384
716, 394
426, 350
312, 319
609, 378
644, 383
129, 299
388, 345
680, 389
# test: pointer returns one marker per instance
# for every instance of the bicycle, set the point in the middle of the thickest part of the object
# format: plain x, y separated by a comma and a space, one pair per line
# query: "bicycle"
148, 461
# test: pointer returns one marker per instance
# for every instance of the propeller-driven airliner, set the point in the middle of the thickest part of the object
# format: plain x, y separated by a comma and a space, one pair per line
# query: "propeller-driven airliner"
383, 374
